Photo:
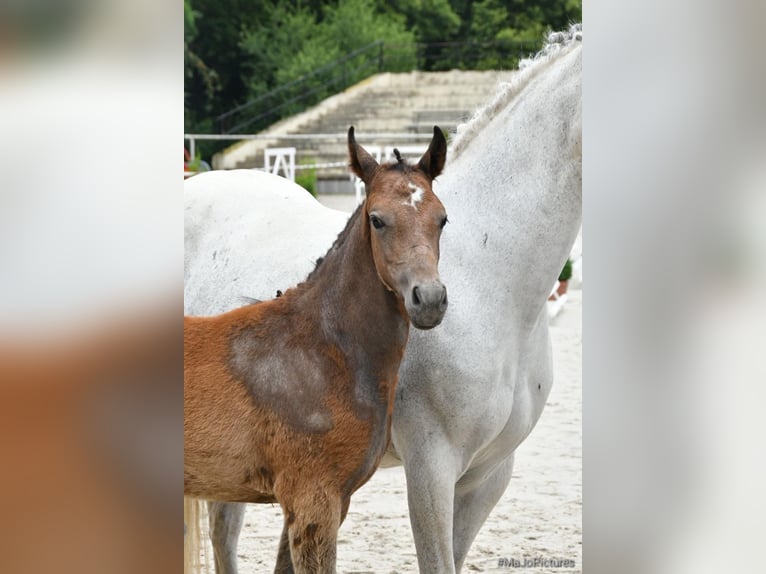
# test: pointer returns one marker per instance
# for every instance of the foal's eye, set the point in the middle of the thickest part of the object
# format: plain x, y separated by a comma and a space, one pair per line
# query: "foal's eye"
443, 222
376, 221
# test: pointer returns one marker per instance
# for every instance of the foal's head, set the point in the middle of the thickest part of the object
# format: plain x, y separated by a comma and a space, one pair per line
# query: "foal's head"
405, 221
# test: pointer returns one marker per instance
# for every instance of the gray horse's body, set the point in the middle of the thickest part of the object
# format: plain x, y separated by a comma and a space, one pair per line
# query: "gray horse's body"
471, 391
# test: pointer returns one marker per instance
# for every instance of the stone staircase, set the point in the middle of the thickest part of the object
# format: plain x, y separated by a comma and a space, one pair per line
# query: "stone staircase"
392, 104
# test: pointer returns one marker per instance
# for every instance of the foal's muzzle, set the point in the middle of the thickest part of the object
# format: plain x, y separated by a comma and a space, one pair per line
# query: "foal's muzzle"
426, 304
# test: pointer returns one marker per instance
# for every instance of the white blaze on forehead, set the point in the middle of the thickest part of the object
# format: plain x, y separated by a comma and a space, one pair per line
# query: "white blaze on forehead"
416, 197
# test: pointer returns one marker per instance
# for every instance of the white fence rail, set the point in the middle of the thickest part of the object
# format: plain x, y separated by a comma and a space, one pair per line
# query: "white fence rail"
283, 158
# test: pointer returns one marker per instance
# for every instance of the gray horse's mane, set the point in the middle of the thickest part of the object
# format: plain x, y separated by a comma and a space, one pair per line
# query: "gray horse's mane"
556, 43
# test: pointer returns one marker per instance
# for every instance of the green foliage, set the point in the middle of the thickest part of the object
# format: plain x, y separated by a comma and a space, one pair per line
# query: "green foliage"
307, 178
272, 43
287, 45
355, 23
429, 20
566, 272
237, 50
518, 25
190, 15
193, 64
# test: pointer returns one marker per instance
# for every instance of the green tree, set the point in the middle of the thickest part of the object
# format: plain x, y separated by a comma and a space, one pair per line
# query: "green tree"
295, 41
237, 50
272, 43
357, 23
218, 25
193, 64
517, 26
432, 22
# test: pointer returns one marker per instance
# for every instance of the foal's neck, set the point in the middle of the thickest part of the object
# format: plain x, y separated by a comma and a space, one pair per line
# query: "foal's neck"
356, 312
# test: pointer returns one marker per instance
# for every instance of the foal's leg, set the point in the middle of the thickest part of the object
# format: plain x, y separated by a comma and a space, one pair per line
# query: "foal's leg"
225, 519
312, 519
473, 505
284, 561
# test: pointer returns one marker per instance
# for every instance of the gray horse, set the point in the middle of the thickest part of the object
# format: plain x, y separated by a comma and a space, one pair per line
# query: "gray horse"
471, 391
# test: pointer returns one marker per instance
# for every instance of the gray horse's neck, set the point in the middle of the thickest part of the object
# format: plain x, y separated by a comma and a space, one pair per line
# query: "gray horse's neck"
516, 200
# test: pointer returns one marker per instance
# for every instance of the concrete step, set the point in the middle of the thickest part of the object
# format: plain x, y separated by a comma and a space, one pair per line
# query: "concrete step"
386, 103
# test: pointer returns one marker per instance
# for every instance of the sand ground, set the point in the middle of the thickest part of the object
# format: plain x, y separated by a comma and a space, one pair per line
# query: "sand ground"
539, 516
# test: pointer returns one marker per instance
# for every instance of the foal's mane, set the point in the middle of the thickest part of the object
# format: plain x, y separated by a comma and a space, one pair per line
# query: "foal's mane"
339, 241
556, 44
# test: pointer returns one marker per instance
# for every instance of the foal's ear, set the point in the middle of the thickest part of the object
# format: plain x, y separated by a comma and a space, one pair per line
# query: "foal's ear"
432, 162
361, 162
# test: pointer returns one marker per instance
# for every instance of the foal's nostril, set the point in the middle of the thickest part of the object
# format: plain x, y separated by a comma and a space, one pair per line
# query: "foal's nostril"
415, 296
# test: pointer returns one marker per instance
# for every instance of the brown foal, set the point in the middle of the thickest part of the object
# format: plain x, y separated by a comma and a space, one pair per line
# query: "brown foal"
290, 400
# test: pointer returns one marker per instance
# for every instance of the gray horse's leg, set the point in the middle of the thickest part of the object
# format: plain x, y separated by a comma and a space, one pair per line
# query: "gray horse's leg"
431, 476
473, 503
225, 519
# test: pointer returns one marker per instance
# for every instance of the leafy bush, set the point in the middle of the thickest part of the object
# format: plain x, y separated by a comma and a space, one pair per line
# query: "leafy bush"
307, 178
